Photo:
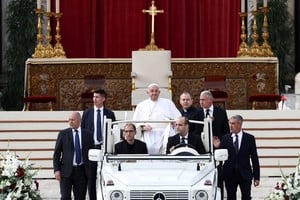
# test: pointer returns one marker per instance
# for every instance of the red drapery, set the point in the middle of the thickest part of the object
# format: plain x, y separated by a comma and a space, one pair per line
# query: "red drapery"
115, 28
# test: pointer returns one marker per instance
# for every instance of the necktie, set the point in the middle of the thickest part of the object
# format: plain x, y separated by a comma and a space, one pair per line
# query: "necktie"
236, 143
207, 113
77, 148
99, 134
182, 140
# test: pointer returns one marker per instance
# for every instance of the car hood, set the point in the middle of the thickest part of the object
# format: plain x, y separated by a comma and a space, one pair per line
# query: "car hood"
158, 173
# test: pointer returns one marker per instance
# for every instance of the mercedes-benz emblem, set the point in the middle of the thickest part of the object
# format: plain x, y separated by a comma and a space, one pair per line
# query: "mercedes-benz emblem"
159, 196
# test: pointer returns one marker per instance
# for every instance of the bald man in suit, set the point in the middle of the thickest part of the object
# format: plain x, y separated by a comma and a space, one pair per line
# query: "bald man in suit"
70, 168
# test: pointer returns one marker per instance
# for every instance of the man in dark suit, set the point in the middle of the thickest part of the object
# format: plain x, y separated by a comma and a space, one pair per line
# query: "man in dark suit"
183, 136
92, 119
130, 145
70, 158
220, 125
218, 115
191, 112
237, 169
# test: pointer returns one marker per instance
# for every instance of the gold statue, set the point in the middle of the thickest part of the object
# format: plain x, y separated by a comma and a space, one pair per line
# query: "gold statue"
152, 11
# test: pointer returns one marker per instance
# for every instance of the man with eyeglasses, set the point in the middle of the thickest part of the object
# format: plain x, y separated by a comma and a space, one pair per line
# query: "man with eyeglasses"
130, 145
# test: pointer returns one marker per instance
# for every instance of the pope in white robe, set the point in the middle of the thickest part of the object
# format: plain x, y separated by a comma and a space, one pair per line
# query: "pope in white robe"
155, 108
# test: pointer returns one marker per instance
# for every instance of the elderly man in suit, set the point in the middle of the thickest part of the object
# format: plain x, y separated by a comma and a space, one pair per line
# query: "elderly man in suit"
70, 158
130, 145
220, 125
238, 171
218, 115
92, 119
184, 137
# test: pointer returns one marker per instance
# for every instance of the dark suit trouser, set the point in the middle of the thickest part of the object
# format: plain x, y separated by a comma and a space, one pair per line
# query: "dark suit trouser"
235, 181
92, 180
220, 179
77, 181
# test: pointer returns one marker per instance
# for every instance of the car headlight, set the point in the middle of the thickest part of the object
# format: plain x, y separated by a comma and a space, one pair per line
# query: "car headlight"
116, 195
201, 195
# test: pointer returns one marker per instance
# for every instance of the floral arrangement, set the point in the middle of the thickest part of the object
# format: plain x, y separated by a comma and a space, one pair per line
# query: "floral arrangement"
16, 179
288, 188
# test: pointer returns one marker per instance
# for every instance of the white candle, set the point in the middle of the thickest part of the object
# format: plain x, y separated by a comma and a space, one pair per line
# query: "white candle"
254, 5
57, 6
265, 3
39, 4
242, 5
48, 5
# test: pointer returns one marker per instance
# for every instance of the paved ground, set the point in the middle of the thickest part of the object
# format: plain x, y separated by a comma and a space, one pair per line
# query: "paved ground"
50, 189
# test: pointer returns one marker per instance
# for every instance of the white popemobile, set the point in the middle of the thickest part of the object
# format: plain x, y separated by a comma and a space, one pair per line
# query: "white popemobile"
182, 175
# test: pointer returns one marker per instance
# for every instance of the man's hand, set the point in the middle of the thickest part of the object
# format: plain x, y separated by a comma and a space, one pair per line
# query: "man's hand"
57, 175
256, 183
146, 127
172, 149
216, 142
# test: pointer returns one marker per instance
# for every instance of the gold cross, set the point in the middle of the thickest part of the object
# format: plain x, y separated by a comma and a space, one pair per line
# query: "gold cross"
152, 11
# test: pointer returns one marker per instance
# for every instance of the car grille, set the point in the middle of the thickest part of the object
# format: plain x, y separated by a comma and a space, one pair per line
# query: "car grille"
159, 195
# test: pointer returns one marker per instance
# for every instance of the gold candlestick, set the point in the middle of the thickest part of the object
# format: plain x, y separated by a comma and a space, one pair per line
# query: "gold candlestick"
255, 50
244, 48
39, 49
58, 48
265, 47
49, 53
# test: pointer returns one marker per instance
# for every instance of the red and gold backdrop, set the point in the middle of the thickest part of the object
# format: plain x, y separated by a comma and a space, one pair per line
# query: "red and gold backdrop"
114, 28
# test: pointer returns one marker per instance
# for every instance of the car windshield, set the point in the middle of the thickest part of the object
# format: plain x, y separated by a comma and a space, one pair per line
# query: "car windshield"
114, 135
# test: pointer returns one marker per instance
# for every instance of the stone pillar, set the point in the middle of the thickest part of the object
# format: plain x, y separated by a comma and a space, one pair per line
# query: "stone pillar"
297, 91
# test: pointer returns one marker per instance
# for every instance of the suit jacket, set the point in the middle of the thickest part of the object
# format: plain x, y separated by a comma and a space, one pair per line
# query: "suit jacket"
193, 139
138, 146
241, 161
87, 121
192, 113
220, 124
64, 151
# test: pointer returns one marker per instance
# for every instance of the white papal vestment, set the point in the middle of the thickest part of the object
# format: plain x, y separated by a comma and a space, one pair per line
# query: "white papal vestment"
161, 109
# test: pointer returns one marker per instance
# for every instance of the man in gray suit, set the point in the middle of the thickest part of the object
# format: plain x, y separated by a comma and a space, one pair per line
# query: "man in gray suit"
70, 158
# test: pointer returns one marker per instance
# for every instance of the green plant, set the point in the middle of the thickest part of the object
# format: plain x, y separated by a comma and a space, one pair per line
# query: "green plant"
21, 25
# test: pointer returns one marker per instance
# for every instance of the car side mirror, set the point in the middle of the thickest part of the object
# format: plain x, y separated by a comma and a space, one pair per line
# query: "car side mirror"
221, 154
95, 155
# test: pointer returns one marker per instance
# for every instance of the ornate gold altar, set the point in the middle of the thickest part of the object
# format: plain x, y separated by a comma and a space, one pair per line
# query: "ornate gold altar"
64, 79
